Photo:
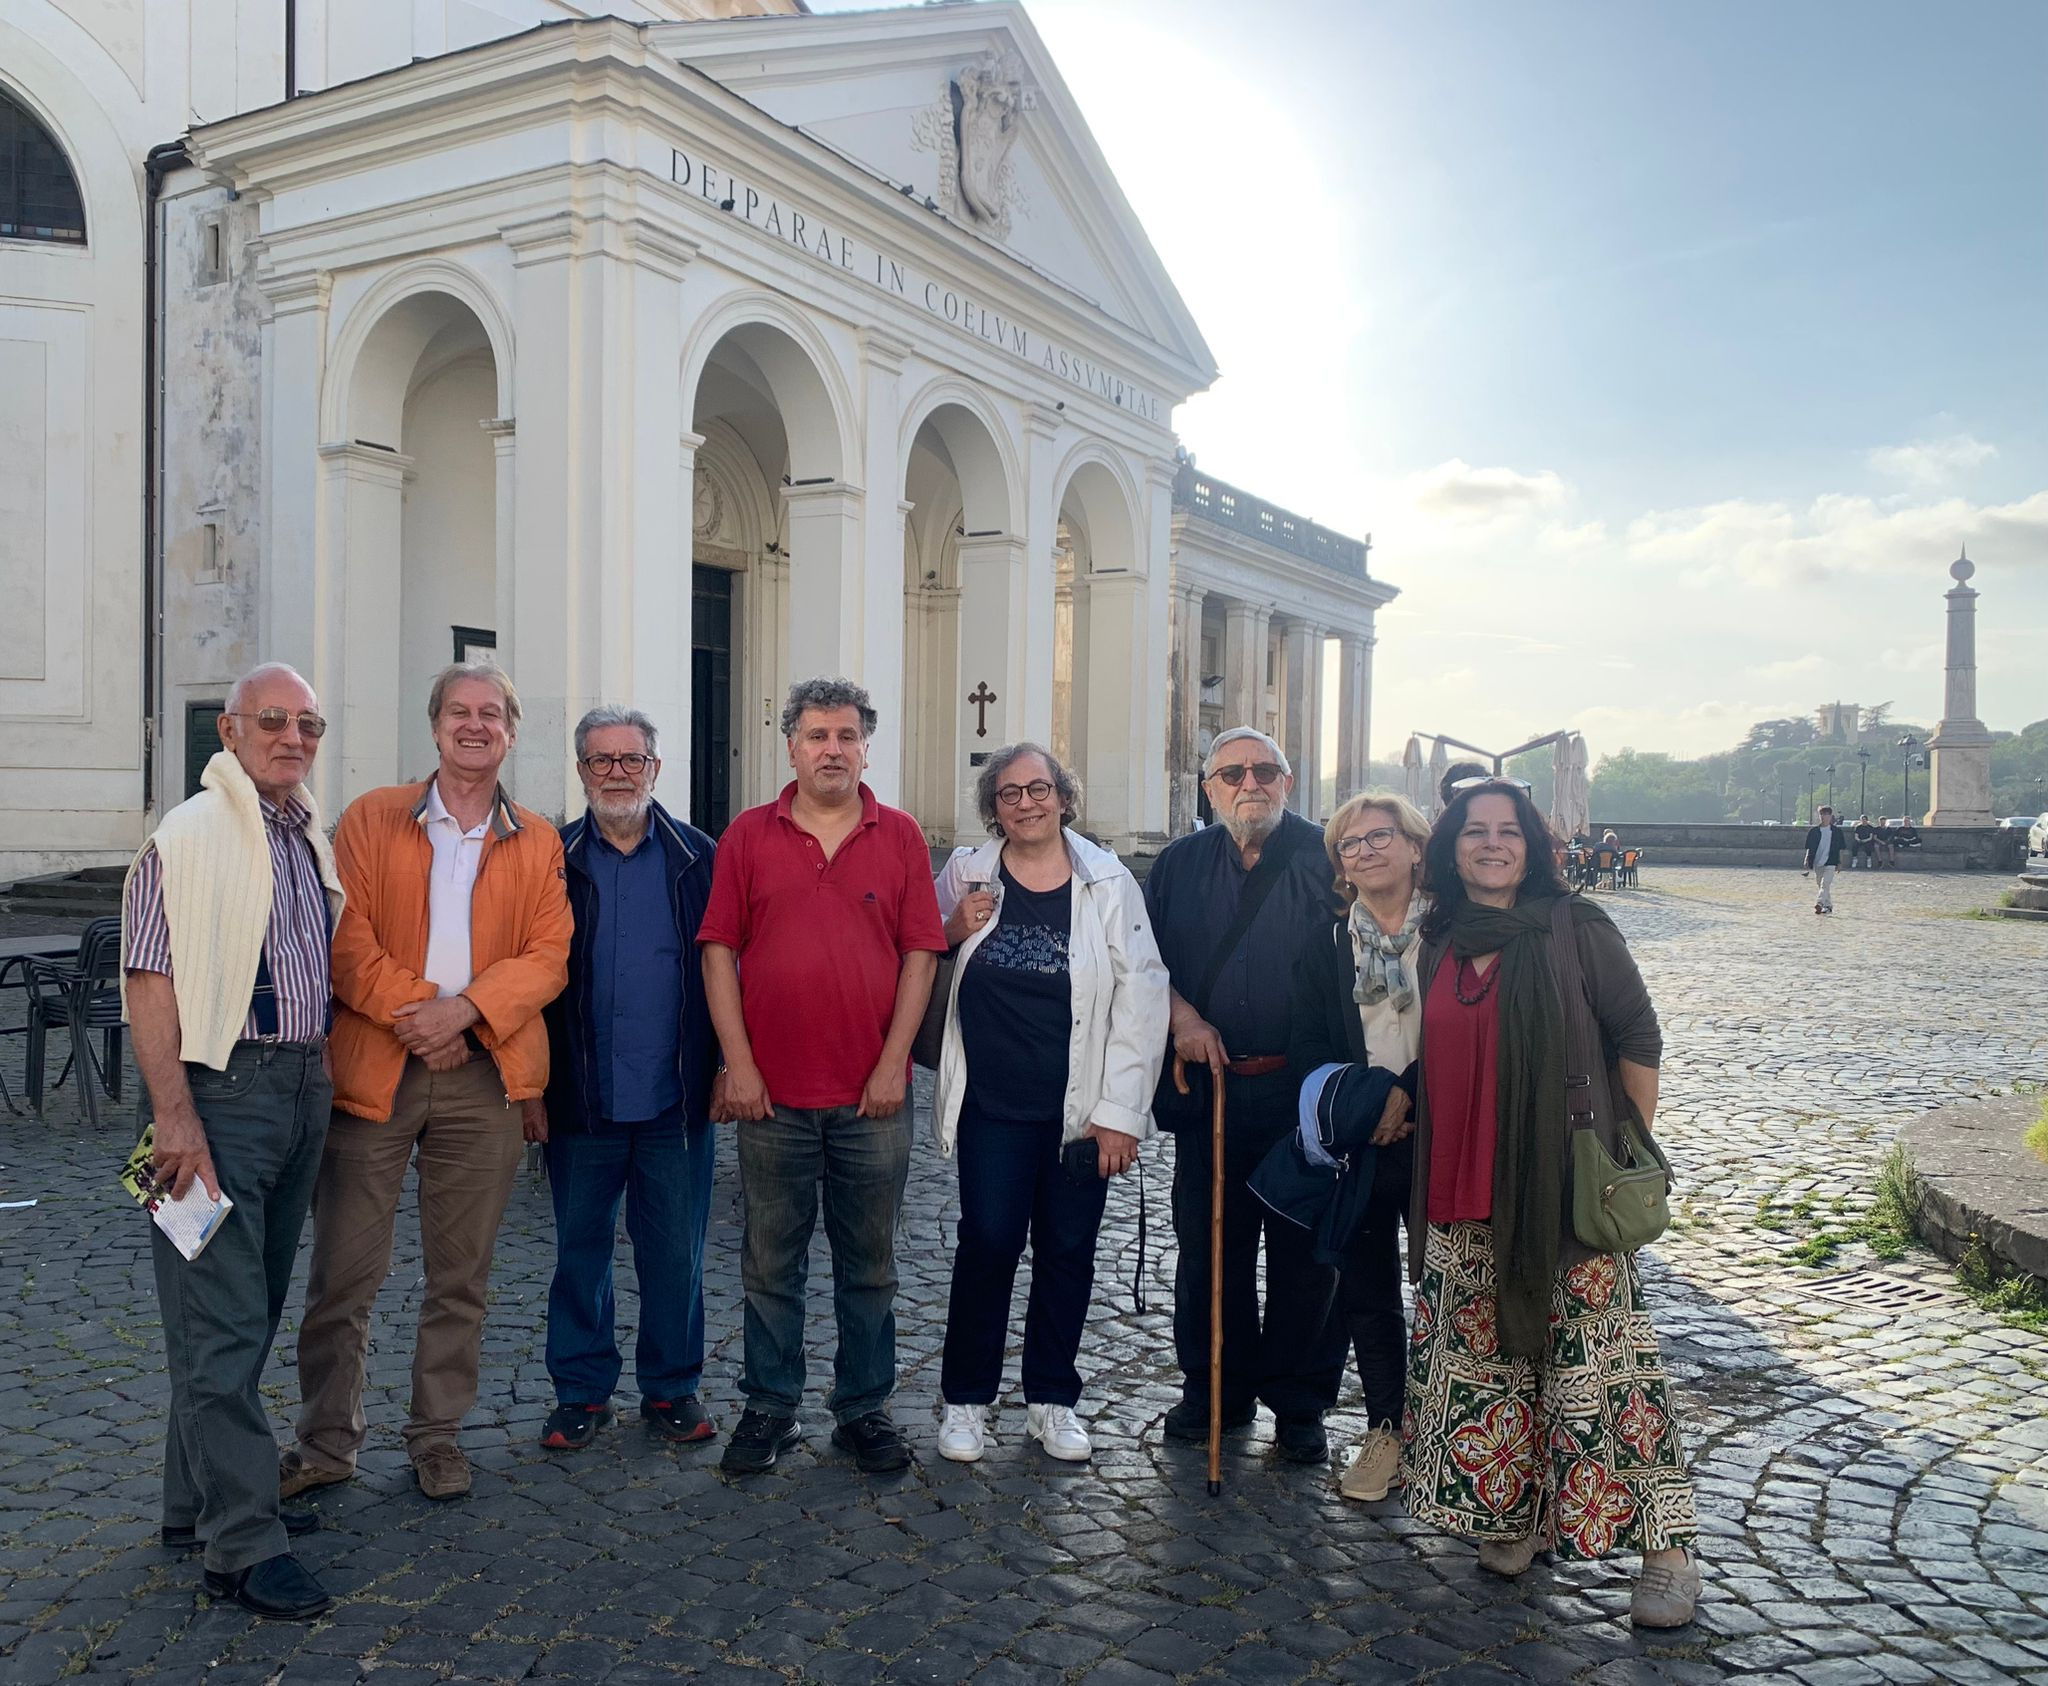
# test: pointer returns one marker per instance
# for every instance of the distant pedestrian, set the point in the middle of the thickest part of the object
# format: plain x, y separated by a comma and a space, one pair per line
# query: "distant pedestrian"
1863, 843
225, 925
631, 1058
1825, 843
1055, 1028
1357, 1002
1231, 907
819, 946
455, 936
1539, 1412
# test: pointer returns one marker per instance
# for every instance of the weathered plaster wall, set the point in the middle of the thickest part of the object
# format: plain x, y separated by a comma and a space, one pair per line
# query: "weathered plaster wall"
212, 448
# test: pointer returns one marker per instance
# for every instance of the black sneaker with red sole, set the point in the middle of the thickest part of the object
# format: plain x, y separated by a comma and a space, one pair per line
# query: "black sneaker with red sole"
570, 1428
677, 1419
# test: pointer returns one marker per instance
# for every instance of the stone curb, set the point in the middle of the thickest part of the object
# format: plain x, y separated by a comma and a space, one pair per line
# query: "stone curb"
1978, 1178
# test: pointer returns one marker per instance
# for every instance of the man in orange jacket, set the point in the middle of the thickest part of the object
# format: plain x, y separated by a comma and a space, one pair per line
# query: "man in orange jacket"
454, 936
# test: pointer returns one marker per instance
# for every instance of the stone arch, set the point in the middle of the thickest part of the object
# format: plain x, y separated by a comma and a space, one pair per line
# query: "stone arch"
413, 485
354, 397
984, 457
797, 365
1098, 512
1096, 484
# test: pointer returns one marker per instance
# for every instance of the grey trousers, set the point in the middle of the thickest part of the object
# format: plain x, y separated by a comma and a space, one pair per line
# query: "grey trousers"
266, 1119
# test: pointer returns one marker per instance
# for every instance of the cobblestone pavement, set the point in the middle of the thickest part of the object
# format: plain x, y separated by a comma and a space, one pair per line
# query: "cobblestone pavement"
1871, 1450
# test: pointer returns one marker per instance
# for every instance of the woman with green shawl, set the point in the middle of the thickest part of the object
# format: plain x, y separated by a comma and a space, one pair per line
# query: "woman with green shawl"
1538, 1413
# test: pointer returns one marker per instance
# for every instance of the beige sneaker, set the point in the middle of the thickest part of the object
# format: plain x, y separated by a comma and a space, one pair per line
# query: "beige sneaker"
1375, 1467
1665, 1594
295, 1475
442, 1471
1507, 1557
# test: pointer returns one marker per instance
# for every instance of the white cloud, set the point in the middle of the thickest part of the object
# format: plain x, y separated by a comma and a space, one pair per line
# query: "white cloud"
1457, 491
1930, 463
1794, 667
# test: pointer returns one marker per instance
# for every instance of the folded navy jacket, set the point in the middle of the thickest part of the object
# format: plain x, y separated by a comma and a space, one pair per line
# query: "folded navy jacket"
1321, 1175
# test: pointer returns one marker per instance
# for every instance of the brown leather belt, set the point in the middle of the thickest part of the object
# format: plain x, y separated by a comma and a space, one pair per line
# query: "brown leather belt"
1258, 1065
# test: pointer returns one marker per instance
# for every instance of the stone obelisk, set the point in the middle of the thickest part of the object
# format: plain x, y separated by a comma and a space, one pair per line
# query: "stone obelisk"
1960, 749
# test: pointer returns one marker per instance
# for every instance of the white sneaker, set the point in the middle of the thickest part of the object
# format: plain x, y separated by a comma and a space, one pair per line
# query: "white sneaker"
963, 1435
1375, 1467
1059, 1431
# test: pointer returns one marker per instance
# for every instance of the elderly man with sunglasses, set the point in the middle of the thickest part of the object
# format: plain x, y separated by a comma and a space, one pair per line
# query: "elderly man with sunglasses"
225, 926
1232, 905
627, 1114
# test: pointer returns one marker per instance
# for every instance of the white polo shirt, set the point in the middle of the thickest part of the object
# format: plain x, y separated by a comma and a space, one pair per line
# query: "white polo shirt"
457, 854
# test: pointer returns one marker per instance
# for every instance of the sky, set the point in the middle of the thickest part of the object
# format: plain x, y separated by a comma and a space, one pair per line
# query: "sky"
1668, 353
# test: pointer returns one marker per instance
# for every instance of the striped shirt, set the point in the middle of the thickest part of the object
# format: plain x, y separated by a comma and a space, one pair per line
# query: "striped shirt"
295, 943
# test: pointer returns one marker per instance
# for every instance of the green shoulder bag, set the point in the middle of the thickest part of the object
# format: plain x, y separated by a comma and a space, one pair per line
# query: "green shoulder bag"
1616, 1207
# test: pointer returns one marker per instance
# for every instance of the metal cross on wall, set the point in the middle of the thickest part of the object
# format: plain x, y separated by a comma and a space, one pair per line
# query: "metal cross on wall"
981, 696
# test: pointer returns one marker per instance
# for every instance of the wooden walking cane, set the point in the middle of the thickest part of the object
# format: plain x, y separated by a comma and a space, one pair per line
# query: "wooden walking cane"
1180, 1082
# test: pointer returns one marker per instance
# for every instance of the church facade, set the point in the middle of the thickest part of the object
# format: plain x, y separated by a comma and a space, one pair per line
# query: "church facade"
664, 354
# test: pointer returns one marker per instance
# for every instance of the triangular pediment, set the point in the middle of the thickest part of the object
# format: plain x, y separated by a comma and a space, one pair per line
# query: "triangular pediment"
902, 93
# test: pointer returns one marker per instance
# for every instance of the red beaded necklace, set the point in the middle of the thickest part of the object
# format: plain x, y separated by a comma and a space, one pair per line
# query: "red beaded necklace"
1485, 989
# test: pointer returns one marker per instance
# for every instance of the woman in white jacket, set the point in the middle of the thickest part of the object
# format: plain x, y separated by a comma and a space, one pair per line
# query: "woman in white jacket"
1055, 1029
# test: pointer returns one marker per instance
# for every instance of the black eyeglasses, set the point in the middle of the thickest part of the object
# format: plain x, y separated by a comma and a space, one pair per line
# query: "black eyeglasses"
1010, 795
1484, 779
1265, 772
274, 720
1377, 841
632, 762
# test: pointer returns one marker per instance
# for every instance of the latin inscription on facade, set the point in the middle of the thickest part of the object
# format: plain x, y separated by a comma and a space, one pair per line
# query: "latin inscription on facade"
833, 249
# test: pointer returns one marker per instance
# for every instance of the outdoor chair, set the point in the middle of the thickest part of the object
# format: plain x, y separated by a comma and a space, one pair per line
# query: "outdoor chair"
1630, 858
1605, 864
82, 996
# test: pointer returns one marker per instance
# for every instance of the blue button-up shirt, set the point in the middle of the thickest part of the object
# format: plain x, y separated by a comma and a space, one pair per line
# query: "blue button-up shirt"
636, 979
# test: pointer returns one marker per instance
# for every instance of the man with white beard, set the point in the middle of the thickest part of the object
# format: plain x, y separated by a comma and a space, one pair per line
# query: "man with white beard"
1232, 905
626, 1116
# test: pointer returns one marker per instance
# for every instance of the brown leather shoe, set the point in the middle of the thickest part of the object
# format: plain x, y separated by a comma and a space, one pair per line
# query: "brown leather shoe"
442, 1472
295, 1475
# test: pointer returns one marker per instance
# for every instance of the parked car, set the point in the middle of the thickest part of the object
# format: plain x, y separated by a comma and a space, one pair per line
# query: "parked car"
2017, 822
2037, 836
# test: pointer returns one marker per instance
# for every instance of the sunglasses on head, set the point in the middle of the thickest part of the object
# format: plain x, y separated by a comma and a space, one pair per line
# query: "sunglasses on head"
1485, 779
1264, 772
274, 720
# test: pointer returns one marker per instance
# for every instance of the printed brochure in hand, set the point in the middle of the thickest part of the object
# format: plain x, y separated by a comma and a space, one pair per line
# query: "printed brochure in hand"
190, 1222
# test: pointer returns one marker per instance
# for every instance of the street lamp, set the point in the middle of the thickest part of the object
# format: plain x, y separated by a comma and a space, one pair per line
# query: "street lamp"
1811, 774
1831, 784
1862, 781
1908, 747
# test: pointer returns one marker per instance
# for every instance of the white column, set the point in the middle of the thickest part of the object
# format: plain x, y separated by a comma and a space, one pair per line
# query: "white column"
366, 513
1243, 665
504, 436
1183, 745
300, 592
546, 611
880, 558
1310, 780
1151, 693
987, 696
676, 733
647, 548
1354, 714
825, 585
1039, 632
1114, 753
1295, 711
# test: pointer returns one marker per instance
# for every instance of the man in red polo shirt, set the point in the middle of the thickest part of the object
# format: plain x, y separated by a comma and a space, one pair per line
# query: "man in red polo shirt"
819, 944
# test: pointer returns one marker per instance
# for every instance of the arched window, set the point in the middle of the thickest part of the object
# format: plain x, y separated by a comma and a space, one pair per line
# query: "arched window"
38, 194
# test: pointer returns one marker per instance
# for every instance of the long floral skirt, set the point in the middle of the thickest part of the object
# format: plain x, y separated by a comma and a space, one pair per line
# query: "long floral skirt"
1578, 1447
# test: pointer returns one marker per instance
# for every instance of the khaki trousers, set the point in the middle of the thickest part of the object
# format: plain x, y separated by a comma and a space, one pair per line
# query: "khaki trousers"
469, 1145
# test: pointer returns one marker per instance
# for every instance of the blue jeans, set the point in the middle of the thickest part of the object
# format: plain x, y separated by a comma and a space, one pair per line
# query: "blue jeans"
862, 1164
1011, 1183
663, 1172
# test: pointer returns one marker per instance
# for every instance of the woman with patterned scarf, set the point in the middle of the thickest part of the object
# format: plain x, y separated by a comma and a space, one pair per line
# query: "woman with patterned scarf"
1539, 1416
1356, 1002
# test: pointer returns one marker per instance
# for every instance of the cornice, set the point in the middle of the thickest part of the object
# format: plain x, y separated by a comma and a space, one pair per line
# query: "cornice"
593, 69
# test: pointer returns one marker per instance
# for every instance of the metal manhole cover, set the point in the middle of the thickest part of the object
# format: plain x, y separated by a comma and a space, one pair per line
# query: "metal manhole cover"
1870, 1290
